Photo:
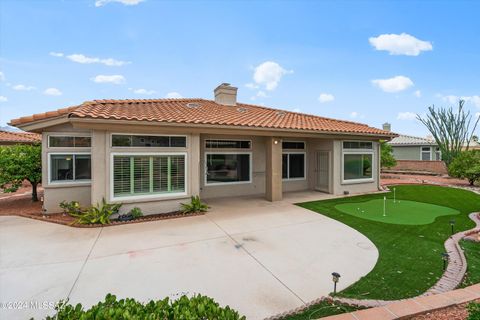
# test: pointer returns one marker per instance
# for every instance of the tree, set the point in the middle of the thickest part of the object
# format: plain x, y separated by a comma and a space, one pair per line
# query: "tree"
450, 129
466, 166
19, 163
386, 157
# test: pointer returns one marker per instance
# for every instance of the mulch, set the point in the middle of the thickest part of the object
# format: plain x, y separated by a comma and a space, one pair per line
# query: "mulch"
458, 312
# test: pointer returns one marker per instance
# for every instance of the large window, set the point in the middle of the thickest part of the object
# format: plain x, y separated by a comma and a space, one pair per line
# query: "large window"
228, 168
438, 154
228, 144
357, 161
69, 141
293, 145
70, 167
426, 154
123, 140
137, 175
293, 165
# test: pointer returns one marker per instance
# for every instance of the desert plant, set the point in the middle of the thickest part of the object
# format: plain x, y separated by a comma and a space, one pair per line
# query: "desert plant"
195, 205
473, 311
71, 208
466, 166
196, 307
100, 213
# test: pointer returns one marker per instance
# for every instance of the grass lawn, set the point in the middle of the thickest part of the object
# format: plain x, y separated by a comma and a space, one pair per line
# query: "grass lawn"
323, 309
472, 253
409, 255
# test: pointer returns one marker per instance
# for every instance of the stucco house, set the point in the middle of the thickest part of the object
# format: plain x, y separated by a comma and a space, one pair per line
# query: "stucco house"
156, 153
8, 138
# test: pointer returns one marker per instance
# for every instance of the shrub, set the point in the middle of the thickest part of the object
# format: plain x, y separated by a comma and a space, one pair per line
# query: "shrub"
473, 311
98, 214
133, 214
386, 155
71, 208
195, 205
466, 166
196, 307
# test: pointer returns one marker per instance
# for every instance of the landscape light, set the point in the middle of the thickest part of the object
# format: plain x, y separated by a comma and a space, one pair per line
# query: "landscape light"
452, 224
445, 257
335, 278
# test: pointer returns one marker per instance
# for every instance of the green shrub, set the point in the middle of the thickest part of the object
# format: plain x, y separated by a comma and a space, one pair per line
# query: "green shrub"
97, 214
136, 213
71, 208
473, 311
466, 166
195, 205
196, 307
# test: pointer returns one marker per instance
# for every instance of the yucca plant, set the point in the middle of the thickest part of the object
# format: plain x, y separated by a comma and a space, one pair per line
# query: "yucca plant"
97, 214
195, 205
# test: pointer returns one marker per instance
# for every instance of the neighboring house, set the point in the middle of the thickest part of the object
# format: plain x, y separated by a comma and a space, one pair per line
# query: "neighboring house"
8, 138
155, 154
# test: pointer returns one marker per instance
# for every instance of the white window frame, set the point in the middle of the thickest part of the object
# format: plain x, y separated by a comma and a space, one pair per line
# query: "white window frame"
358, 151
223, 139
76, 134
429, 152
146, 134
435, 153
250, 171
288, 165
153, 195
63, 182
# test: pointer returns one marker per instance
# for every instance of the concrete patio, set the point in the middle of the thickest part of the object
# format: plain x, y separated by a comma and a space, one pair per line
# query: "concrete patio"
259, 257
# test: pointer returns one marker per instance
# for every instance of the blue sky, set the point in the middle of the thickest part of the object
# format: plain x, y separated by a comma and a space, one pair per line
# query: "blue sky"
365, 61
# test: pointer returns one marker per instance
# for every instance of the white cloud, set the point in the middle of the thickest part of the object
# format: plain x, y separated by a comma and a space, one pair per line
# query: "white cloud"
353, 114
269, 74
143, 91
3, 99
400, 44
2, 76
251, 86
477, 115
297, 110
261, 94
395, 84
452, 99
326, 97
52, 92
114, 79
418, 94
100, 3
80, 58
56, 54
173, 95
21, 87
406, 116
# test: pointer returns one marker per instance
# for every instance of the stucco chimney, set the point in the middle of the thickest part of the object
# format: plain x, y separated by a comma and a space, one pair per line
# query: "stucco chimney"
387, 127
226, 94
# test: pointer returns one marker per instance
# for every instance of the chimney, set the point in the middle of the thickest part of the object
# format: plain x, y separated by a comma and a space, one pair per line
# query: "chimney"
387, 127
226, 94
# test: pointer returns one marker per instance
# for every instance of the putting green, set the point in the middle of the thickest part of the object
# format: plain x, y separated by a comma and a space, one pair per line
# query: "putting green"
400, 212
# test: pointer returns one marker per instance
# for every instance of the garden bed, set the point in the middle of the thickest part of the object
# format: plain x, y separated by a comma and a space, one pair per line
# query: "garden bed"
456, 312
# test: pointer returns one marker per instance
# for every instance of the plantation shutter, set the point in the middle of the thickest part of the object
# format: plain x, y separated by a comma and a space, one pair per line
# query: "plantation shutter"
121, 175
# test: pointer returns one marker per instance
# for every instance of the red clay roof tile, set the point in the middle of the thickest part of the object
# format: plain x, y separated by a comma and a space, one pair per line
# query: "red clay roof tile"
19, 137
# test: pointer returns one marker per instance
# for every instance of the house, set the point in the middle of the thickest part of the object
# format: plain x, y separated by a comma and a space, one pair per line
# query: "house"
8, 138
155, 154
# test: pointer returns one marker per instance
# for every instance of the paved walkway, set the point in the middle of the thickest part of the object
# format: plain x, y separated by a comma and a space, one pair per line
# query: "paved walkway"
260, 258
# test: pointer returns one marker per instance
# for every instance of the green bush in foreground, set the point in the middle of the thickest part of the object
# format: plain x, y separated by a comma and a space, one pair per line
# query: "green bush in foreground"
184, 308
473, 311
195, 205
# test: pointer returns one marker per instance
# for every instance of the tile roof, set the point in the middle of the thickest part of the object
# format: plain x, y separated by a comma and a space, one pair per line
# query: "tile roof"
411, 140
202, 111
19, 137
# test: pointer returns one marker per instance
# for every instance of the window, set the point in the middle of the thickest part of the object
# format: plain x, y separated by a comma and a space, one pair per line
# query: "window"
357, 145
121, 140
426, 154
69, 142
70, 167
293, 166
438, 154
357, 166
228, 144
135, 175
293, 145
227, 168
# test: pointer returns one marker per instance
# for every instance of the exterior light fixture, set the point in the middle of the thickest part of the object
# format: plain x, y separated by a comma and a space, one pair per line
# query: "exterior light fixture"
275, 141
452, 224
445, 257
335, 278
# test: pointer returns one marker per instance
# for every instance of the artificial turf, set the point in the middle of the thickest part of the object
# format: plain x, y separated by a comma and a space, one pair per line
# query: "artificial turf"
472, 253
396, 211
410, 259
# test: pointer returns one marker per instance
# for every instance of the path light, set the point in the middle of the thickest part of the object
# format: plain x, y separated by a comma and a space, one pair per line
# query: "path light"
445, 257
452, 224
384, 206
335, 278
394, 194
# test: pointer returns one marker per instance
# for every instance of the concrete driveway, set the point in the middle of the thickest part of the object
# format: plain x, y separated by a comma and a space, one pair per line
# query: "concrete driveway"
260, 258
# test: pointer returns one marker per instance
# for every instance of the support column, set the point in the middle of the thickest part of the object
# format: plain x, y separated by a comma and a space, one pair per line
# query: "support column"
273, 168
100, 167
194, 164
